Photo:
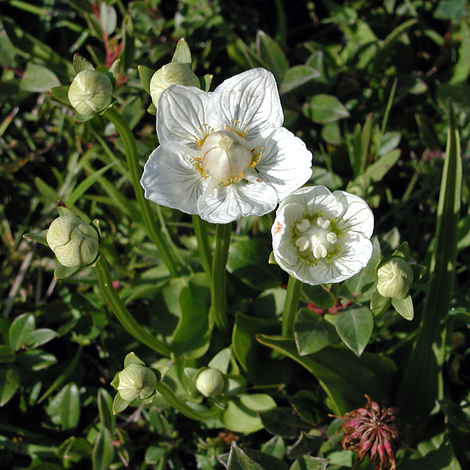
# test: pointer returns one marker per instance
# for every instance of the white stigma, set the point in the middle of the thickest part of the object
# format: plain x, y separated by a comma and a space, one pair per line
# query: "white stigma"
225, 155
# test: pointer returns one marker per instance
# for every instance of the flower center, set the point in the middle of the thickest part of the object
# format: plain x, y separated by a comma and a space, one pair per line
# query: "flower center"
225, 156
316, 238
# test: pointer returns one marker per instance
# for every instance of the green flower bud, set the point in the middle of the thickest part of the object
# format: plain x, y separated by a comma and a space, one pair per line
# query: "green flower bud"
395, 278
173, 73
90, 92
73, 242
210, 382
136, 382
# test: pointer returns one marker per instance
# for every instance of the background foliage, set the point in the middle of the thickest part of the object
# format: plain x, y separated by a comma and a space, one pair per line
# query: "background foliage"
366, 85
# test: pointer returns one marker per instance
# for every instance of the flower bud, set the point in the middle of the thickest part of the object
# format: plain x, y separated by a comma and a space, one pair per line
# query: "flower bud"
90, 92
395, 278
73, 242
136, 382
174, 73
210, 382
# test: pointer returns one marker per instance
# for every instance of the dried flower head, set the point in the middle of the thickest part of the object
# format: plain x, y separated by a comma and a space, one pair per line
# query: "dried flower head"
371, 430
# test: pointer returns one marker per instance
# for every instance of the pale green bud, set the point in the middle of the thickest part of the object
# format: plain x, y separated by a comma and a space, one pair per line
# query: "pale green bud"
395, 278
136, 382
90, 92
210, 382
174, 73
73, 242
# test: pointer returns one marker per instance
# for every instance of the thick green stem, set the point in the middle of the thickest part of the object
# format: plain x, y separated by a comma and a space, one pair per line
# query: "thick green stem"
203, 244
157, 232
122, 314
294, 286
218, 314
197, 414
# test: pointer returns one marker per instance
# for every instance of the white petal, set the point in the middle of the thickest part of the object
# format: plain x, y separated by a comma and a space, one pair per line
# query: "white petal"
251, 98
313, 198
170, 179
180, 114
227, 203
286, 163
357, 214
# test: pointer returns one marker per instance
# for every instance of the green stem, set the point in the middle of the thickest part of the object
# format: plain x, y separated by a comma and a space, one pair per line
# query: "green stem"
122, 314
200, 231
170, 397
218, 314
294, 286
158, 233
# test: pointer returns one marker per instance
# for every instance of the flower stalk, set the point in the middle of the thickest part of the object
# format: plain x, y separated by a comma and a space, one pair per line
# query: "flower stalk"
203, 244
158, 233
122, 314
217, 313
294, 288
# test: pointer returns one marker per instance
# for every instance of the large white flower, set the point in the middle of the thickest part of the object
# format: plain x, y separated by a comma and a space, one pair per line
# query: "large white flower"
224, 154
321, 237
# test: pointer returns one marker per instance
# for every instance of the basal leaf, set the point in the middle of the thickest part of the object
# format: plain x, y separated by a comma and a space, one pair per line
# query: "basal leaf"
355, 325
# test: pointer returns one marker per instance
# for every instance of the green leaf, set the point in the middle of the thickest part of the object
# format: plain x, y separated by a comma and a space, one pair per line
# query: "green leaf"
309, 463
192, 335
103, 450
38, 78
435, 454
105, 410
284, 422
344, 376
422, 383
62, 272
87, 183
323, 109
241, 412
80, 64
455, 10
319, 296
182, 52
145, 75
256, 360
239, 460
20, 330
221, 360
6, 354
9, 383
64, 408
354, 326
272, 55
119, 404
36, 359
37, 237
40, 336
312, 333
297, 76
404, 307
247, 260
305, 444
331, 133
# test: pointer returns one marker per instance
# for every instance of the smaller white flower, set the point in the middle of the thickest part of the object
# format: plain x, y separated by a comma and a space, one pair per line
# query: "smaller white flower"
73, 242
91, 92
321, 237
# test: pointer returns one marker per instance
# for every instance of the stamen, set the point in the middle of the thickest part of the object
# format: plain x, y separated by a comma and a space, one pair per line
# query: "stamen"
332, 237
323, 223
303, 243
303, 226
320, 251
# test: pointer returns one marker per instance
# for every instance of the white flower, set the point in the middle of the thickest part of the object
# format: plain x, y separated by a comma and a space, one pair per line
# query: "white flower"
224, 154
321, 237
